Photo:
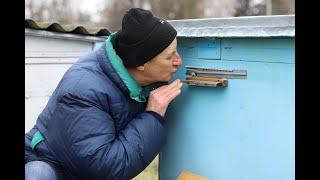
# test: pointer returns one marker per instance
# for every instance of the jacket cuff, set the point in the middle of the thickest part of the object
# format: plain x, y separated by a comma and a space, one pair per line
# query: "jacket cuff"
157, 116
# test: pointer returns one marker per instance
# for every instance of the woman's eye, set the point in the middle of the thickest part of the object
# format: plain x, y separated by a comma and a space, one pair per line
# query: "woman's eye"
168, 58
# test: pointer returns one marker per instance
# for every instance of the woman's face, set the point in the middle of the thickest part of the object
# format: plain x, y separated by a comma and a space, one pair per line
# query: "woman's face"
162, 67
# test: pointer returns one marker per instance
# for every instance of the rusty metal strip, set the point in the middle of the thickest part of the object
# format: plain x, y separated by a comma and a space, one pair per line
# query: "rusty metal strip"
206, 81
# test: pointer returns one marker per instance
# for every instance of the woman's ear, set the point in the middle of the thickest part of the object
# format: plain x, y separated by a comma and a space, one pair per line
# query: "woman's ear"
140, 68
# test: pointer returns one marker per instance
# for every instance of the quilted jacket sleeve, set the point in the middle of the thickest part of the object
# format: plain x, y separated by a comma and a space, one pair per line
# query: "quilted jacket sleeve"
94, 148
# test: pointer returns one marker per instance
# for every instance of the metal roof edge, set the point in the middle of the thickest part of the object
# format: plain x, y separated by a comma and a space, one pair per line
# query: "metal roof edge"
245, 26
66, 28
59, 35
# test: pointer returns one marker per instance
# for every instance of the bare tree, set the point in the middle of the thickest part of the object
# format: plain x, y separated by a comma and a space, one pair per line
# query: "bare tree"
178, 9
218, 8
56, 10
63, 11
269, 7
36, 12
283, 7
114, 10
242, 8
266, 7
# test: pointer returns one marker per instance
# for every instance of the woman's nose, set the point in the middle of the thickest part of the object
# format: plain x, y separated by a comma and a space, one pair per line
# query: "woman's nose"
177, 61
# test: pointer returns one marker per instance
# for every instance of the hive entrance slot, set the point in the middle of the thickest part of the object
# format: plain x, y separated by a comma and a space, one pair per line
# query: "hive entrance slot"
205, 81
199, 76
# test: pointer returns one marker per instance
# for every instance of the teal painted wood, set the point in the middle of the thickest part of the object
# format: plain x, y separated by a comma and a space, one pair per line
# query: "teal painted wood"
203, 48
243, 131
259, 49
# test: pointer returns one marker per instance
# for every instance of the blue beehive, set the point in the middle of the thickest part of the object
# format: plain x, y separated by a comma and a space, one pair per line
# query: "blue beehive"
244, 131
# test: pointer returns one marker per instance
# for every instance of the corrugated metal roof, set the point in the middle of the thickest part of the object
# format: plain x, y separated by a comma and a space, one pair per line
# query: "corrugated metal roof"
72, 29
246, 26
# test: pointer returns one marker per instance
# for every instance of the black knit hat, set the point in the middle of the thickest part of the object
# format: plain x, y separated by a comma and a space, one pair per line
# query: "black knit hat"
142, 37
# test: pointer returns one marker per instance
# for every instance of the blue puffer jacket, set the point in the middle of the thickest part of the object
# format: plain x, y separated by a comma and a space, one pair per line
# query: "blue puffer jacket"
92, 129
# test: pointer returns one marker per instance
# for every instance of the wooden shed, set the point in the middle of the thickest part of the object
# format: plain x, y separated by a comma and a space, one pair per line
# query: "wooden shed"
50, 49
